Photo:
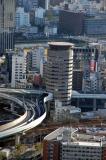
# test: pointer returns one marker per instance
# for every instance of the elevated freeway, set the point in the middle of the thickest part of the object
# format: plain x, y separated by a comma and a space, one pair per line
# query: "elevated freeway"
78, 95
75, 94
35, 112
33, 116
59, 37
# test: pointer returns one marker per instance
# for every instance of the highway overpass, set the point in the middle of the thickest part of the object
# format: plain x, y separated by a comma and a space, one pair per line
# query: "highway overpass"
37, 112
75, 94
34, 114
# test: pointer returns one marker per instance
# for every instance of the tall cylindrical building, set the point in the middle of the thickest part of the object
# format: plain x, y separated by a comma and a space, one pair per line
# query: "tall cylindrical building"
59, 71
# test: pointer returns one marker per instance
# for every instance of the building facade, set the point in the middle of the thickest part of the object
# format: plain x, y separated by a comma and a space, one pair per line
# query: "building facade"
7, 24
86, 68
77, 79
59, 69
95, 26
22, 18
71, 22
34, 59
69, 143
18, 70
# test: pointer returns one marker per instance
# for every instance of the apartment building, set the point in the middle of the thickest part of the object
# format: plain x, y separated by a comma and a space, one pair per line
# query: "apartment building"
73, 143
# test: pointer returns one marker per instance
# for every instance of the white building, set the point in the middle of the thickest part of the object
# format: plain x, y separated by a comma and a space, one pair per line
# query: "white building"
94, 82
50, 30
75, 144
39, 12
37, 57
22, 18
34, 59
18, 70
66, 113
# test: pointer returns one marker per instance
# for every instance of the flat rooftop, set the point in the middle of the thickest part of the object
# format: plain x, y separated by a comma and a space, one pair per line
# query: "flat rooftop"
86, 144
76, 136
61, 44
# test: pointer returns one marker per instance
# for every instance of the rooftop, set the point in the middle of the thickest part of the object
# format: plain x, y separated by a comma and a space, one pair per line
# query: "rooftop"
61, 44
91, 144
77, 136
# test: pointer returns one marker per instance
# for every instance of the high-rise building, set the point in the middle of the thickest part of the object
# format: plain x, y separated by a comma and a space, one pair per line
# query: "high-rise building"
95, 26
19, 3
59, 71
34, 58
77, 79
71, 22
29, 5
47, 4
85, 62
35, 3
44, 4
22, 18
18, 78
41, 3
8, 56
103, 3
7, 15
7, 24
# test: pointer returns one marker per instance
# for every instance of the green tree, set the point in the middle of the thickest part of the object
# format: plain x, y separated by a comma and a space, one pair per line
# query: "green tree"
2, 156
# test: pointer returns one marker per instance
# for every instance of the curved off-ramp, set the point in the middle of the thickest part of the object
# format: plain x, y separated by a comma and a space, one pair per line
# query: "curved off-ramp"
26, 124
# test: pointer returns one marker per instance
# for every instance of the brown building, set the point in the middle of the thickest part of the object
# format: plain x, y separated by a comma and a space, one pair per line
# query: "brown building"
51, 150
59, 69
74, 144
70, 22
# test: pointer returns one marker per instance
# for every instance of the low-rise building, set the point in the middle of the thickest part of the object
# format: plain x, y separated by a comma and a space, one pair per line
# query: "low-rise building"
75, 144
67, 113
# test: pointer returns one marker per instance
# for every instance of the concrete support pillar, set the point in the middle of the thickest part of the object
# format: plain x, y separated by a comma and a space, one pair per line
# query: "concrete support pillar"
94, 105
78, 102
36, 101
31, 98
17, 139
12, 106
47, 107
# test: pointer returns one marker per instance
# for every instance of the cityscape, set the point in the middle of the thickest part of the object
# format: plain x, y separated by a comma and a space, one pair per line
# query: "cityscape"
52, 79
